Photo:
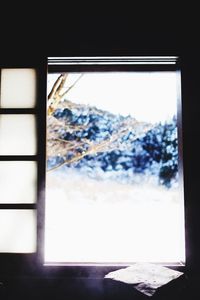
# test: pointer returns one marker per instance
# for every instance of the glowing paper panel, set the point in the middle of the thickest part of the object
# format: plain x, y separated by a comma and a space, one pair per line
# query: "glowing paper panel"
18, 88
18, 181
18, 231
17, 135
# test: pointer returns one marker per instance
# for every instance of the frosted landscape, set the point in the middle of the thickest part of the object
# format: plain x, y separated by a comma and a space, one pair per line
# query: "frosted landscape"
113, 184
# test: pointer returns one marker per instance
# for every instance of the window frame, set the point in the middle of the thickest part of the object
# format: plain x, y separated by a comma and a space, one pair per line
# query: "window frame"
13, 264
112, 63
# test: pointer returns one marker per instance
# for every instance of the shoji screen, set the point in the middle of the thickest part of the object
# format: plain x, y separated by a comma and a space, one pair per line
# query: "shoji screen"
18, 160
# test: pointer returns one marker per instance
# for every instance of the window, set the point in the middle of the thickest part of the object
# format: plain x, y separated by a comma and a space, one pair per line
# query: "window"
18, 160
114, 174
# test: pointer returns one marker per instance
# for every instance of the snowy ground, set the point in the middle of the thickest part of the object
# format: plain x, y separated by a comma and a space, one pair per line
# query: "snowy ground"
91, 221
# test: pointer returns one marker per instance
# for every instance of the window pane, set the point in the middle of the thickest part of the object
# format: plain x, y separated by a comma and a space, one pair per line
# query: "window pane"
18, 88
18, 231
114, 184
18, 181
17, 135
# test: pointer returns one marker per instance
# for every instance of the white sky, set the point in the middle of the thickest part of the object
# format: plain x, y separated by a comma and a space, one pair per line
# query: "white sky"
147, 96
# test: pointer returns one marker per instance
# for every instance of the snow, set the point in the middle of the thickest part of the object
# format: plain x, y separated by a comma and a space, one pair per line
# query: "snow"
104, 221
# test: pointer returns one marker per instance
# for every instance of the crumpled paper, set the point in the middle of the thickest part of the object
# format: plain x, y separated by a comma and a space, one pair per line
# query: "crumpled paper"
145, 277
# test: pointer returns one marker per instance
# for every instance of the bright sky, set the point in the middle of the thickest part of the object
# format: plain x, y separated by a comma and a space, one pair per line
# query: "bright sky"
147, 96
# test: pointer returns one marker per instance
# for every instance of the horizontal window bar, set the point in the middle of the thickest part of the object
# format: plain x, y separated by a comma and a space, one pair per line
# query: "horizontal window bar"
18, 111
55, 68
80, 264
113, 60
18, 206
18, 157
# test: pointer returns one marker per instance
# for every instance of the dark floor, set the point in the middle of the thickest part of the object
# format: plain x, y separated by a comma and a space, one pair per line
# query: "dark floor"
106, 289
57, 289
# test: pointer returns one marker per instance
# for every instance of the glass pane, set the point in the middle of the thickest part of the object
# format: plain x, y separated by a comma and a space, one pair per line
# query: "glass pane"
17, 135
18, 181
18, 88
18, 231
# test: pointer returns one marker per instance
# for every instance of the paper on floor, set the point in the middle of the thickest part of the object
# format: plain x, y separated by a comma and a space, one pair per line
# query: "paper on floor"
145, 277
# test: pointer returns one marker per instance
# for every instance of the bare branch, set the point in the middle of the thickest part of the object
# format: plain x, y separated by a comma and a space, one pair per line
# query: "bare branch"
55, 95
109, 144
55, 87
75, 82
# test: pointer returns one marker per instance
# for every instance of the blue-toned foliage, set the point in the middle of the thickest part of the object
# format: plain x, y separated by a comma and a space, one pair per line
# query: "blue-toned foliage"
156, 153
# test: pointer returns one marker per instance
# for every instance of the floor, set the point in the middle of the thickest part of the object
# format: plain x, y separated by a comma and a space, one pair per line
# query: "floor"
67, 289
92, 289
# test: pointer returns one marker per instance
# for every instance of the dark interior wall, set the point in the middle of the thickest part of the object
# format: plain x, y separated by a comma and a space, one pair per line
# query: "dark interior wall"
191, 150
